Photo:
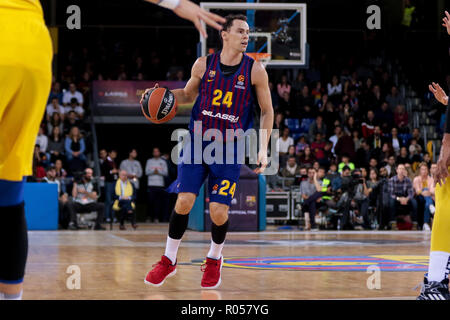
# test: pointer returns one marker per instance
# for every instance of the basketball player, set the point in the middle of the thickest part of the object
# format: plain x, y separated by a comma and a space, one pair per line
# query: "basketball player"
25, 80
222, 86
435, 286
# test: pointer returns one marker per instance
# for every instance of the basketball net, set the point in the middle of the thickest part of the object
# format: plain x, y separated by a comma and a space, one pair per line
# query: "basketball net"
264, 57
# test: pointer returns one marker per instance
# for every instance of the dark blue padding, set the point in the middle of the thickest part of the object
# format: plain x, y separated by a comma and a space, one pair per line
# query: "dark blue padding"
11, 193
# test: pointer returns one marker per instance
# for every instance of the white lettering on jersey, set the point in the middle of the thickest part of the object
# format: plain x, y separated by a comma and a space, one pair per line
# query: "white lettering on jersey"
223, 116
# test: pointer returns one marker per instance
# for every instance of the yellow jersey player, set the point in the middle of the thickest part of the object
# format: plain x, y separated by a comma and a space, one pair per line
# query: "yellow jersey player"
25, 79
435, 285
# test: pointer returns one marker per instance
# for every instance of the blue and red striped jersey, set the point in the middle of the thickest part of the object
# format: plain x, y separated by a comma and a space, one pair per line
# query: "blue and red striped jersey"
225, 102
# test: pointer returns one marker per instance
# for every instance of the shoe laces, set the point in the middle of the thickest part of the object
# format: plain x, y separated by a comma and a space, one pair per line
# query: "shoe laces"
161, 263
208, 262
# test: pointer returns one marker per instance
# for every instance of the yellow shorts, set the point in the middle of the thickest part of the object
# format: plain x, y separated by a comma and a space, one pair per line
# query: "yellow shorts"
440, 235
25, 79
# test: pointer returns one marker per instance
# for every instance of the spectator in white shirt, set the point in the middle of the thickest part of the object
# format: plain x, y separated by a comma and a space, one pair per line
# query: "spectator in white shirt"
42, 140
284, 142
334, 87
74, 106
72, 93
337, 134
53, 107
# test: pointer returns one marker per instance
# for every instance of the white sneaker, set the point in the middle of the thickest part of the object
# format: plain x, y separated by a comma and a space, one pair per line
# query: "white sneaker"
432, 209
426, 227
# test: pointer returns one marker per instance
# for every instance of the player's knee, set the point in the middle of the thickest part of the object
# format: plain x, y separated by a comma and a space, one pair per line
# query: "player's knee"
185, 202
219, 213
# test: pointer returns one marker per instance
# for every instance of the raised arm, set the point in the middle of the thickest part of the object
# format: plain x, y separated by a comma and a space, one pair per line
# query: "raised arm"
446, 23
190, 11
439, 93
443, 163
260, 80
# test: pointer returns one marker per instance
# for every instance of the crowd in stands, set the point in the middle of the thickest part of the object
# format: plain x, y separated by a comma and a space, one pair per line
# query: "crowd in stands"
348, 144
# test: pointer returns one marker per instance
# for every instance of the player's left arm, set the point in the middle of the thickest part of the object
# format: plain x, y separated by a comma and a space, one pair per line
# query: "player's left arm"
260, 80
443, 163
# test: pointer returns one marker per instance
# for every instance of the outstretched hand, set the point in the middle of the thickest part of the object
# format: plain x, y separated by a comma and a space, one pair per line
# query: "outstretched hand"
446, 23
439, 93
191, 11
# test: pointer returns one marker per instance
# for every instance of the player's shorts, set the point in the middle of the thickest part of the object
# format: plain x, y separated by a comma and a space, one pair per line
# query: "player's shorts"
25, 80
222, 177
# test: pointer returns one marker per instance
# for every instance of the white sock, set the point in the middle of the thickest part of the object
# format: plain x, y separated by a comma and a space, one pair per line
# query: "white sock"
215, 250
439, 266
4, 296
172, 249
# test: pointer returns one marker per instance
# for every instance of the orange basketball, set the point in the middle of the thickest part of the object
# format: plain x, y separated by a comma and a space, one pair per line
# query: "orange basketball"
159, 105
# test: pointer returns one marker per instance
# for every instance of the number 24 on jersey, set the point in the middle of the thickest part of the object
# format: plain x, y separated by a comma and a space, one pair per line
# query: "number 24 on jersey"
227, 99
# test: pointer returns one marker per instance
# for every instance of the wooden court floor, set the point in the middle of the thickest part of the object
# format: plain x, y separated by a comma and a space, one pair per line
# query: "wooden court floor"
266, 265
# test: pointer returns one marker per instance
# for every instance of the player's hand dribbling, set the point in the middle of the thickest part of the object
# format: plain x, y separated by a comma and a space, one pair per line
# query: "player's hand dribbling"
190, 11
147, 90
262, 161
439, 93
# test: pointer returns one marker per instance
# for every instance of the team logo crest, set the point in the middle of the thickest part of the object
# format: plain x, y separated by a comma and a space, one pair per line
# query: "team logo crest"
250, 201
214, 189
212, 74
240, 84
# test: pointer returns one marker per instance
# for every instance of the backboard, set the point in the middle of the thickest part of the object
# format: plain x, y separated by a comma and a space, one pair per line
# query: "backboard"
277, 32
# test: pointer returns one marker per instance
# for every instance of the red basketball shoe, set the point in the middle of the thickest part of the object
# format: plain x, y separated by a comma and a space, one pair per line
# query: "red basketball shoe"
161, 271
212, 273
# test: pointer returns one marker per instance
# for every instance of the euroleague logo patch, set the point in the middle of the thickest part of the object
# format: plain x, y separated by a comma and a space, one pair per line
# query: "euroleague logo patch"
392, 263
241, 82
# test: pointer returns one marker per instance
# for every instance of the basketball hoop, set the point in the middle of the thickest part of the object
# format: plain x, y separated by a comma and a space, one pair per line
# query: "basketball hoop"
263, 57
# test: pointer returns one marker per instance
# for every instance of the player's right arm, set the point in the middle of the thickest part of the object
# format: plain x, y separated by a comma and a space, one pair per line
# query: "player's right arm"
189, 93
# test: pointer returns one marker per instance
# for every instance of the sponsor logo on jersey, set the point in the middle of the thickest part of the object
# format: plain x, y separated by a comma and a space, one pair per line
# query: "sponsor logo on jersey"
241, 82
222, 116
211, 75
